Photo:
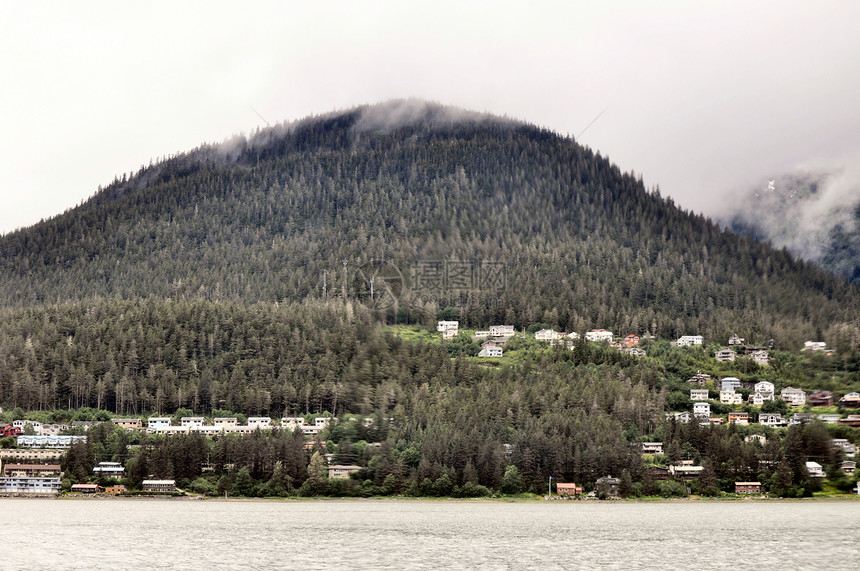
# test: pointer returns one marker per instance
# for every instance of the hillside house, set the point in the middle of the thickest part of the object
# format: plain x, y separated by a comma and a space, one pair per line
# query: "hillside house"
851, 400
502, 331
685, 471
820, 398
261, 422
128, 423
689, 340
31, 470
760, 438
802, 418
598, 335
342, 471
680, 417
772, 419
731, 397
699, 379
850, 420
794, 397
846, 447
635, 351
760, 358
815, 470
27, 441
490, 351
814, 346
652, 448
730, 383
699, 394
109, 470
735, 340
828, 418
225, 421
766, 388
481, 334
848, 467
725, 355
189, 421
443, 326
23, 425
740, 418
547, 335
657, 472
155, 422
701, 409
631, 340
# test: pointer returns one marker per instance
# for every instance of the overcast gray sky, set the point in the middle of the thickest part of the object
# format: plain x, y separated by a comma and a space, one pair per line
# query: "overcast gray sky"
701, 98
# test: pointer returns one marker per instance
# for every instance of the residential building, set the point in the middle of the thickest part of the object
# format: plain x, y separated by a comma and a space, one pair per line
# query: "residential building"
730, 383
820, 398
189, 421
652, 448
26, 441
740, 418
53, 429
699, 394
657, 472
86, 489
766, 388
685, 471
772, 419
829, 418
756, 399
635, 351
110, 469
32, 470
83, 424
760, 358
815, 470
158, 485
30, 454
481, 334
631, 340
701, 409
747, 487
607, 485
490, 351
342, 471
848, 466
680, 417
502, 331
700, 379
128, 423
802, 417
225, 421
155, 422
443, 326
547, 335
731, 397
598, 335
449, 333
735, 340
689, 340
851, 400
725, 355
115, 489
38, 486
847, 447
814, 346
35, 425
261, 422
794, 397
850, 420
563, 489
760, 438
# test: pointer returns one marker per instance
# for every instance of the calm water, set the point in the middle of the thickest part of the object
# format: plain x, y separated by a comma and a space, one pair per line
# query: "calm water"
163, 534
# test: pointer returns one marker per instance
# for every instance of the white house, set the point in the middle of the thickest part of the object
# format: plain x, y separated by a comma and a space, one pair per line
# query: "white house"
680, 417
815, 470
37, 426
701, 409
766, 388
189, 421
772, 419
699, 394
730, 397
756, 437
760, 358
814, 346
546, 335
443, 326
481, 334
157, 422
652, 447
598, 335
794, 397
735, 340
689, 340
502, 331
490, 351
449, 333
847, 447
572, 335
225, 421
261, 422
725, 355
829, 418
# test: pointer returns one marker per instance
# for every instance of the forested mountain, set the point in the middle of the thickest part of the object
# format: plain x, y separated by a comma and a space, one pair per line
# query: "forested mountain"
275, 216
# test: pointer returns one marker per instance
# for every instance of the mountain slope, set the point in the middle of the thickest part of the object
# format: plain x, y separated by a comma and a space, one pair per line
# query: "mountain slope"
319, 201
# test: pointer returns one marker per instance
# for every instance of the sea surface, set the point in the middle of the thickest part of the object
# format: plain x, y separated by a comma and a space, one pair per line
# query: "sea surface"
144, 534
